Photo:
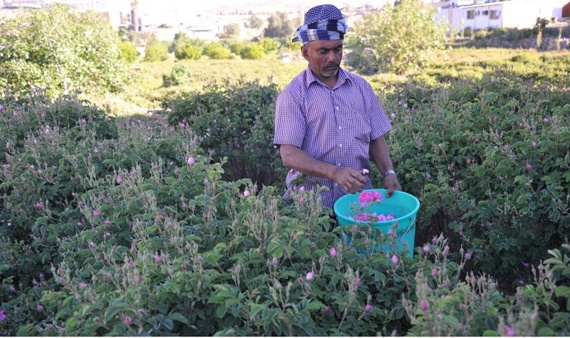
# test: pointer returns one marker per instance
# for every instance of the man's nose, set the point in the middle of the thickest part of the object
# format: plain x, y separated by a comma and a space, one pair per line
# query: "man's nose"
331, 56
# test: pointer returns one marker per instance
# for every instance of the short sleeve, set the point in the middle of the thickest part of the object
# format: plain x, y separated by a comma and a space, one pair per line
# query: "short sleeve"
290, 121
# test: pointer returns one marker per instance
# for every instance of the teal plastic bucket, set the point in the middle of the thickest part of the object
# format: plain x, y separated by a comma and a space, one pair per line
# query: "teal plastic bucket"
402, 205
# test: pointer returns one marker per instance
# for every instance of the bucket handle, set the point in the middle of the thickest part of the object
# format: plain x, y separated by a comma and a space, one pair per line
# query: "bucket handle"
412, 224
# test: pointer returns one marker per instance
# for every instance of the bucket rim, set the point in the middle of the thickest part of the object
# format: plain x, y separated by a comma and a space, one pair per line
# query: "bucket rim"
412, 212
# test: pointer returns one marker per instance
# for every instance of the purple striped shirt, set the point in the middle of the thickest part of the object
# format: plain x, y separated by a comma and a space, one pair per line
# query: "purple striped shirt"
332, 125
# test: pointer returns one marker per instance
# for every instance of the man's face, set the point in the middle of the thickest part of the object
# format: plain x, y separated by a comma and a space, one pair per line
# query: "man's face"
324, 57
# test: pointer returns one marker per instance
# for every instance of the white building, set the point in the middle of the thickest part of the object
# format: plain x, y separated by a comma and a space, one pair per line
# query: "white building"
505, 14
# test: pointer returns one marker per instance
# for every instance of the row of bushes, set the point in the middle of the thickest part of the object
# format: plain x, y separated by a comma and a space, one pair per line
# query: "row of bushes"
184, 48
137, 233
174, 225
495, 180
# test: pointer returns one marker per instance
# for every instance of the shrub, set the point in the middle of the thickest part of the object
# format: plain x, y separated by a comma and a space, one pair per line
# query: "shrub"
156, 51
269, 45
55, 152
187, 51
180, 75
61, 50
235, 121
128, 51
447, 304
236, 47
253, 52
216, 51
495, 176
401, 36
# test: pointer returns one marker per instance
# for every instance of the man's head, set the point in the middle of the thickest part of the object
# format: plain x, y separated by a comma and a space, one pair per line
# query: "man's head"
323, 22
322, 36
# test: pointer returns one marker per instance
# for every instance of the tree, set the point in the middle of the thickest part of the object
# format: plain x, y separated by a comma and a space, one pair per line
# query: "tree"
255, 22
231, 31
396, 38
280, 26
59, 49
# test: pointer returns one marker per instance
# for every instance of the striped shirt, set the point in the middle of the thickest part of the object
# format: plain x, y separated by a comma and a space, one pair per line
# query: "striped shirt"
332, 125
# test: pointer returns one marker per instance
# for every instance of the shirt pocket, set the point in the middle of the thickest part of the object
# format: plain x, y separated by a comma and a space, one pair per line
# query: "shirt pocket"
355, 124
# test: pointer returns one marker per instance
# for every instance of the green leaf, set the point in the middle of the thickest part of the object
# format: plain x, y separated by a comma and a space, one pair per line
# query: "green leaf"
221, 310
490, 333
452, 321
114, 309
177, 316
546, 332
212, 258
254, 310
70, 324
562, 291
314, 305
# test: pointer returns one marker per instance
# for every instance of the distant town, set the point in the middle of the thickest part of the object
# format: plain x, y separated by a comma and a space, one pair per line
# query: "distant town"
208, 24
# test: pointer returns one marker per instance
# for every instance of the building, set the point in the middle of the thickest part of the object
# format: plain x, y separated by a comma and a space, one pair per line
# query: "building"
500, 14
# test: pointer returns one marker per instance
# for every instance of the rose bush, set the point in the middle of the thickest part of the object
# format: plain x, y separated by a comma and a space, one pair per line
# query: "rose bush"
130, 227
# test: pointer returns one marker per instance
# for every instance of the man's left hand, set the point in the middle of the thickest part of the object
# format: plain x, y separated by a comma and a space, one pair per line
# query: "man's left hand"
391, 183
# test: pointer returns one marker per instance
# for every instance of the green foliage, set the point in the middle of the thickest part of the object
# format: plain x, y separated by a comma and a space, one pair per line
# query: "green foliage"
180, 75
55, 151
231, 31
156, 51
447, 304
235, 121
217, 51
128, 51
187, 51
253, 52
280, 26
124, 227
495, 163
59, 49
185, 48
396, 38
236, 47
255, 22
269, 44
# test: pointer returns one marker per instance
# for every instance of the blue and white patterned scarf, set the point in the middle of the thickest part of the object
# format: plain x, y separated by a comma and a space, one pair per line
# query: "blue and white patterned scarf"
324, 22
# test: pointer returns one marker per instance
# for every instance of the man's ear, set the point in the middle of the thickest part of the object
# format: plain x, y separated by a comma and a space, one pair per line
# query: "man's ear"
305, 52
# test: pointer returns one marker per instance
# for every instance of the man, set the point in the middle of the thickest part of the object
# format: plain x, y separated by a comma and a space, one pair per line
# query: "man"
329, 122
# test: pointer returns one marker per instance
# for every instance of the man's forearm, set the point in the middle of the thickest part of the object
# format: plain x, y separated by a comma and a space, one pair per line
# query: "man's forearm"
298, 159
380, 155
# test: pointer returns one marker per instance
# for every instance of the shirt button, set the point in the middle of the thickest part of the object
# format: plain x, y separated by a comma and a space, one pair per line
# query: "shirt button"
336, 108
338, 164
340, 145
339, 127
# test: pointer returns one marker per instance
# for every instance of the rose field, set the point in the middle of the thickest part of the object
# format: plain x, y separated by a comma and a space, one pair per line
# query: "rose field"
159, 212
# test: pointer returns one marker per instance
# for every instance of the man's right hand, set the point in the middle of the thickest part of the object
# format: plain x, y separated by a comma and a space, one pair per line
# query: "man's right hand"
350, 180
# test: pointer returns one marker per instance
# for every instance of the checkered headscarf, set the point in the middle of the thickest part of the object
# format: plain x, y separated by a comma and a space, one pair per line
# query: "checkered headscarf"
323, 22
